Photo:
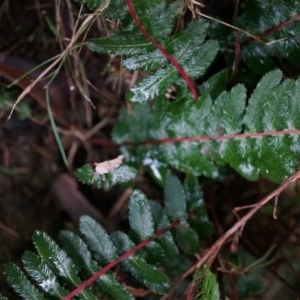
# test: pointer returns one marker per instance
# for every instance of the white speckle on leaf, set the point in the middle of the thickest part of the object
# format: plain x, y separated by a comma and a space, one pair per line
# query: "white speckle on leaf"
246, 168
154, 165
48, 284
295, 148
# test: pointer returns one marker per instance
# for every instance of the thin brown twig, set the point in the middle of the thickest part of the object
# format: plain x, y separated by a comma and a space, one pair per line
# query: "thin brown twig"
231, 136
237, 228
58, 60
9, 230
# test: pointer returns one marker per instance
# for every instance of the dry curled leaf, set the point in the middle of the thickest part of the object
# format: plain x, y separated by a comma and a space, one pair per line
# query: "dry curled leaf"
108, 166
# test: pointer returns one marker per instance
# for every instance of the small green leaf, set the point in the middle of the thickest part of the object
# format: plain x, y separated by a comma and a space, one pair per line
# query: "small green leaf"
38, 269
55, 257
59, 261
260, 99
209, 287
147, 274
21, 285
121, 44
157, 17
151, 86
155, 254
80, 254
216, 84
159, 216
78, 251
193, 192
140, 216
122, 175
175, 198
110, 287
98, 240
85, 174
186, 238
228, 111
146, 62
116, 10
195, 202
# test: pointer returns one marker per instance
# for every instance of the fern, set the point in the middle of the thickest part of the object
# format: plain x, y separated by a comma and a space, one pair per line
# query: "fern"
256, 132
122, 175
79, 261
276, 25
188, 48
182, 132
178, 129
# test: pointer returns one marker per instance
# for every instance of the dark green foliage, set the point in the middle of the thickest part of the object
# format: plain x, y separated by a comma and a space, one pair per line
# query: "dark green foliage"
42, 273
140, 216
277, 48
225, 126
188, 47
19, 282
121, 175
175, 202
273, 106
257, 17
59, 268
187, 238
137, 266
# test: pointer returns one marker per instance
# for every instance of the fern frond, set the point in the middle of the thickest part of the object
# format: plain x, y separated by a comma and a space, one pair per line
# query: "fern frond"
137, 266
188, 48
98, 240
121, 175
19, 282
191, 137
175, 202
149, 253
42, 273
276, 26
140, 216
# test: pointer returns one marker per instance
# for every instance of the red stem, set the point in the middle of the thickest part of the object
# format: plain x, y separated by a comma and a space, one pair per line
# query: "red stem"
233, 136
124, 256
277, 27
160, 47
203, 139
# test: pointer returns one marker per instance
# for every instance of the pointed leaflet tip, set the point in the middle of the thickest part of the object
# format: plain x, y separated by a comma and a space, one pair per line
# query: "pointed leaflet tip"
161, 48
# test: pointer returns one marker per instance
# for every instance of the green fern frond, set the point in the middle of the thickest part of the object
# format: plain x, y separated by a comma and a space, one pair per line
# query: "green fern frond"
273, 106
188, 48
42, 273
20, 283
59, 268
122, 175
